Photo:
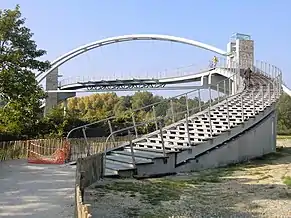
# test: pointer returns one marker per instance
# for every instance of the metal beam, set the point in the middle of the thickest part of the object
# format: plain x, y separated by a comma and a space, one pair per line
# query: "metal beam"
129, 90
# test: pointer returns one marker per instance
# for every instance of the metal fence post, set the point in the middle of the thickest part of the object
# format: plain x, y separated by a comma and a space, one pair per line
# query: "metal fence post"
86, 140
217, 91
162, 138
134, 125
210, 97
131, 149
263, 102
199, 100
187, 104
269, 93
187, 129
111, 130
172, 110
227, 113
253, 101
210, 124
242, 109
229, 87
155, 117
224, 87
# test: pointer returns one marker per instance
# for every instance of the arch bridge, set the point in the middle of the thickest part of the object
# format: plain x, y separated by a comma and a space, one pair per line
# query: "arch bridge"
233, 126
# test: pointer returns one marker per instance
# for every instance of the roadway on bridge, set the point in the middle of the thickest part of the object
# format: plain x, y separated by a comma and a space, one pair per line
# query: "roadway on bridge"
36, 191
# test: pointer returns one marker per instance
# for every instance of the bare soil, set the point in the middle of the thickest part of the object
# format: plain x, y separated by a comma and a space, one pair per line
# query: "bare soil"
259, 188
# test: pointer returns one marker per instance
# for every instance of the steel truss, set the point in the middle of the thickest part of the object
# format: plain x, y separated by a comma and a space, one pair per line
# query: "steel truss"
123, 86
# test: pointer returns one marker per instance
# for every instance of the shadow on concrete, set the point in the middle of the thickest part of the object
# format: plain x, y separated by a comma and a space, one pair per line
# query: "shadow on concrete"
29, 190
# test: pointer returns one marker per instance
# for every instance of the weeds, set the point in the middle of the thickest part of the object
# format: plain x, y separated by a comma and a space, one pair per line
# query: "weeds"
287, 181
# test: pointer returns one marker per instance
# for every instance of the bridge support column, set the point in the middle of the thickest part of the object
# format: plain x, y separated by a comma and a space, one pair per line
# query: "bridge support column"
51, 84
242, 47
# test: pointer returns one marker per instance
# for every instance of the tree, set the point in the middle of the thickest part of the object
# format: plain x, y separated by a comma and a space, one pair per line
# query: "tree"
284, 115
142, 99
18, 86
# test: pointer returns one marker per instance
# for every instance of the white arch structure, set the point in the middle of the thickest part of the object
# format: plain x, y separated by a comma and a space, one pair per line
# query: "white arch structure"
107, 41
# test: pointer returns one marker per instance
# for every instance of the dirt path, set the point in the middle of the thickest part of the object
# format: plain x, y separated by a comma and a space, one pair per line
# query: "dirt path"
260, 188
28, 190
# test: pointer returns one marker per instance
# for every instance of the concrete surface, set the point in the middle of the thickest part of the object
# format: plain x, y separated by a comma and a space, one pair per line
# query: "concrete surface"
30, 190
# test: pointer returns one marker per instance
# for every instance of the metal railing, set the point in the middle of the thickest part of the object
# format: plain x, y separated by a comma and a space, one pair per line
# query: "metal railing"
191, 103
197, 94
270, 94
177, 72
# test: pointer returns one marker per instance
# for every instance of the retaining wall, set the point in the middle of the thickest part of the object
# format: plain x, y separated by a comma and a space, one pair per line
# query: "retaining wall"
88, 171
255, 142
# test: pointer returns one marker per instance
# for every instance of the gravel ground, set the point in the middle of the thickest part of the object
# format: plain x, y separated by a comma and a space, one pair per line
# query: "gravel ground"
254, 189
30, 190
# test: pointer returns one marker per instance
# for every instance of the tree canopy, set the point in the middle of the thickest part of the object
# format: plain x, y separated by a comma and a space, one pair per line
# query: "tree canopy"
20, 93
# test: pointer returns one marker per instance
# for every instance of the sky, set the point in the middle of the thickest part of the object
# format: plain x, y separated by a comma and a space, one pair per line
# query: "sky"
62, 25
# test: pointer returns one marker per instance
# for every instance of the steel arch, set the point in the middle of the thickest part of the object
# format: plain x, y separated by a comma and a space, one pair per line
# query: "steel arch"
112, 40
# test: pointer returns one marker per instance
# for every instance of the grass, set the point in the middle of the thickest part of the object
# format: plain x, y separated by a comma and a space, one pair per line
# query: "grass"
154, 191
287, 181
157, 194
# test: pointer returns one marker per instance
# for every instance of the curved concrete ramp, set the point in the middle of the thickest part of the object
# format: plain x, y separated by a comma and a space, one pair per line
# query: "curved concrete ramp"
36, 191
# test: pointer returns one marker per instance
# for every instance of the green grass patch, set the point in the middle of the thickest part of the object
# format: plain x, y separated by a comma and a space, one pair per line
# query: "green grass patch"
287, 181
154, 191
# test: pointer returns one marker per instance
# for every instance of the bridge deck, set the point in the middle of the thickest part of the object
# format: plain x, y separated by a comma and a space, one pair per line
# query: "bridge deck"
29, 190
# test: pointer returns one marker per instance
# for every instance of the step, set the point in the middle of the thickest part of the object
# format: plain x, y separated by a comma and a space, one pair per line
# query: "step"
109, 172
219, 123
139, 153
193, 136
193, 132
114, 165
158, 146
205, 126
169, 143
155, 150
128, 159
232, 115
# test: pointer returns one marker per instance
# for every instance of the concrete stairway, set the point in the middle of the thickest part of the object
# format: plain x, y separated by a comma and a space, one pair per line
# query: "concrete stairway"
165, 150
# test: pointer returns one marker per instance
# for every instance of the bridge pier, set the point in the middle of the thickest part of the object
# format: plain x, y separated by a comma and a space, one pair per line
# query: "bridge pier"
52, 97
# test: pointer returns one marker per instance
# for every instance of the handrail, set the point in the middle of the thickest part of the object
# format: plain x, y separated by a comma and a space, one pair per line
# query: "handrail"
209, 107
167, 116
275, 78
160, 130
231, 66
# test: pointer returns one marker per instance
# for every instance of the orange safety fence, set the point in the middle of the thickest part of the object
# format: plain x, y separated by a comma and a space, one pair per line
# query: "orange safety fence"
60, 156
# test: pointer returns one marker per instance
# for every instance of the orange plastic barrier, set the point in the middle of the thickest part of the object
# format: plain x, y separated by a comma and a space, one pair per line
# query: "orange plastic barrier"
60, 156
